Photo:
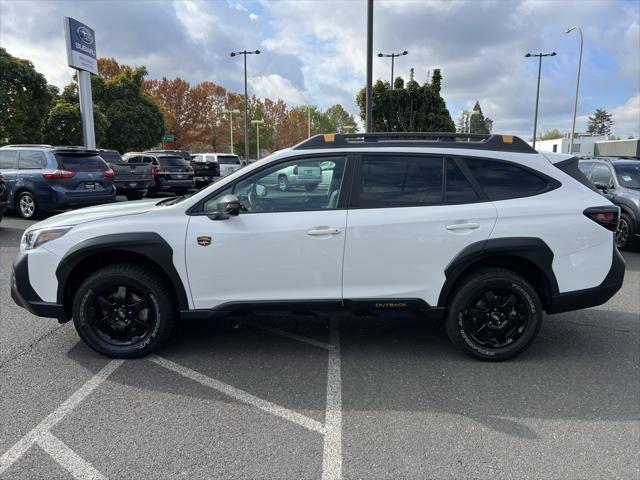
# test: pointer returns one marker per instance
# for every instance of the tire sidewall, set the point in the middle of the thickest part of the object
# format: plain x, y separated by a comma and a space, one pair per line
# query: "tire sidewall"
156, 298
630, 232
475, 287
35, 206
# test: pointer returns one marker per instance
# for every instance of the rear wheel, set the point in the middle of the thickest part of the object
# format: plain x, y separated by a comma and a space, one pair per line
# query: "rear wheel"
494, 315
27, 206
283, 183
625, 234
123, 311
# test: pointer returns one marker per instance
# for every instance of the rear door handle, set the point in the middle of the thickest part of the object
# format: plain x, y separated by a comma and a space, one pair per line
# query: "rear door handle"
314, 232
462, 226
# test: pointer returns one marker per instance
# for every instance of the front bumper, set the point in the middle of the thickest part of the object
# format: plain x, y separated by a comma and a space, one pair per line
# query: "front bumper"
25, 296
592, 297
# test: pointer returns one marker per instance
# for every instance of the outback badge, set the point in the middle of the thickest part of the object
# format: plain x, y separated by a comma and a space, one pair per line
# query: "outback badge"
204, 241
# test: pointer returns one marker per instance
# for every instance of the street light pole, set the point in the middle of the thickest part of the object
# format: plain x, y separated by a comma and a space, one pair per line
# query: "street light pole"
535, 115
575, 105
230, 112
257, 123
246, 99
368, 93
393, 57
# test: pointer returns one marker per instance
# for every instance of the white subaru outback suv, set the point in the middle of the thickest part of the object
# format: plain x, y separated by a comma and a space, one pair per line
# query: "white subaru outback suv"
480, 231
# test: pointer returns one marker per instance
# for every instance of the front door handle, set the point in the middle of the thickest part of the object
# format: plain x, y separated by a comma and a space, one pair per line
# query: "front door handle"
462, 226
314, 232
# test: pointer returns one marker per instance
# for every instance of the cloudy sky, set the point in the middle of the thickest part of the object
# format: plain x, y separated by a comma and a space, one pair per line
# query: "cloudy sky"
314, 51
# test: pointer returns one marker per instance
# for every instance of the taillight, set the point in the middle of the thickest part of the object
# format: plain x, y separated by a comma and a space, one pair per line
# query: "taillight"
295, 170
58, 174
108, 173
608, 217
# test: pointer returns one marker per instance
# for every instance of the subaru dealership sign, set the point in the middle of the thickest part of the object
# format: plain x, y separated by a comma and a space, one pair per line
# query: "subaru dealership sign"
81, 45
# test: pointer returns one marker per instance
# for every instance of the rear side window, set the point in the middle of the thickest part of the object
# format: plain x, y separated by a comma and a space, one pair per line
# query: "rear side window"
8, 159
458, 189
398, 181
30, 159
81, 163
228, 160
501, 181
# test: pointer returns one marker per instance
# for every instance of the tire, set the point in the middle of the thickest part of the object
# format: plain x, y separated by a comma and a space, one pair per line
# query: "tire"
135, 194
486, 308
122, 333
311, 188
283, 183
26, 206
625, 234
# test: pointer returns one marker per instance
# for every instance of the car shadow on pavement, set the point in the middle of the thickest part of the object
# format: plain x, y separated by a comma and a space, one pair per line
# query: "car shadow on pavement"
581, 369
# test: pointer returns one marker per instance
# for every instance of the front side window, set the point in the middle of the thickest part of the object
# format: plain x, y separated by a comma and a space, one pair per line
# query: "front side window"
601, 175
293, 186
8, 159
501, 181
400, 181
31, 159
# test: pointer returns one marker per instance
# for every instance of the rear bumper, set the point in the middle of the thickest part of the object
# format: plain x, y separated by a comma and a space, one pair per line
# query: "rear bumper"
23, 294
592, 297
66, 200
133, 185
171, 184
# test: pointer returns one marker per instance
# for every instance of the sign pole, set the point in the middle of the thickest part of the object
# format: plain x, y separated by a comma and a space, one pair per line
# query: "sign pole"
86, 109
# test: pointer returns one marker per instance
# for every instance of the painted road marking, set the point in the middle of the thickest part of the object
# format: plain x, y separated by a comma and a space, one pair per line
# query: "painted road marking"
293, 336
332, 452
240, 395
70, 460
22, 445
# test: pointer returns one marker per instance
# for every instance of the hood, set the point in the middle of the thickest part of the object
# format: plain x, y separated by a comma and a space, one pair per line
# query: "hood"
99, 212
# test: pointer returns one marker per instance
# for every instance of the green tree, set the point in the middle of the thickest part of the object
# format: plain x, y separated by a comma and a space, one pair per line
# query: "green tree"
63, 125
551, 134
600, 123
409, 107
25, 99
478, 123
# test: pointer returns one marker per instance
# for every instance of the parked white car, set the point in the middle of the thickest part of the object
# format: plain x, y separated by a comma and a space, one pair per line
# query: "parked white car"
228, 162
479, 231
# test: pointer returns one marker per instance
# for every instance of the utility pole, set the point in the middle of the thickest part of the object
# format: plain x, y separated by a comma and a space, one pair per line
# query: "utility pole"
246, 99
535, 115
393, 57
257, 123
575, 105
230, 112
369, 105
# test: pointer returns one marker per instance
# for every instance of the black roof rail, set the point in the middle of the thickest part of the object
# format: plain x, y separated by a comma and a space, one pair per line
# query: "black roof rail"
475, 141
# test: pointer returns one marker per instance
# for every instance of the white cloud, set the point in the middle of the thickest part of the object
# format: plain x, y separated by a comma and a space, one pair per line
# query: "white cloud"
274, 86
627, 117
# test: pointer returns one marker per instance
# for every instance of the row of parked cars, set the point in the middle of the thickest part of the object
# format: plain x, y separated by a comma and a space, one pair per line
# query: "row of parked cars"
41, 178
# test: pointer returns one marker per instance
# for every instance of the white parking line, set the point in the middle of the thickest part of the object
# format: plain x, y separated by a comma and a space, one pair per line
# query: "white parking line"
70, 460
240, 395
22, 445
293, 336
332, 452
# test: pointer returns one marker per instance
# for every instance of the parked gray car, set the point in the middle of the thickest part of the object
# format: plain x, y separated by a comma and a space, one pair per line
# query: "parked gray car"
619, 180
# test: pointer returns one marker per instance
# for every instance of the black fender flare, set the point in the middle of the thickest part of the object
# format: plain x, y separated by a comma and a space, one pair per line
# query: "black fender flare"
146, 244
532, 249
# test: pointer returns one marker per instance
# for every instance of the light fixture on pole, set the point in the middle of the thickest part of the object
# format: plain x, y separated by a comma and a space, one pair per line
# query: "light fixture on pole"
393, 57
575, 105
230, 112
244, 53
535, 115
257, 123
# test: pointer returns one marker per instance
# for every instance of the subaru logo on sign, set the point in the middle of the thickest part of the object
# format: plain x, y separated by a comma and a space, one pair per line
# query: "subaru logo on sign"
85, 35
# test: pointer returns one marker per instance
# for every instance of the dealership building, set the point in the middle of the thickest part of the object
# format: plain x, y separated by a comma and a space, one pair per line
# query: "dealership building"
587, 145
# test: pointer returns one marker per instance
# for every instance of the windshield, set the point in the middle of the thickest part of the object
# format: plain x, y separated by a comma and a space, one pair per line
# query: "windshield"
173, 162
229, 159
628, 175
78, 162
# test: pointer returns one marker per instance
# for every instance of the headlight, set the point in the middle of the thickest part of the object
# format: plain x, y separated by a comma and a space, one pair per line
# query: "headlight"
34, 238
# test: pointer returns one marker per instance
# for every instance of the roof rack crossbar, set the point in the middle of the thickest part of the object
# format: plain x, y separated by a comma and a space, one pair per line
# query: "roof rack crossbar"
479, 141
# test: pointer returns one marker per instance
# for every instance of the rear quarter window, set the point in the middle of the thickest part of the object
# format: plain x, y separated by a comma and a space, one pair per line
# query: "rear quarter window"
501, 180
28, 160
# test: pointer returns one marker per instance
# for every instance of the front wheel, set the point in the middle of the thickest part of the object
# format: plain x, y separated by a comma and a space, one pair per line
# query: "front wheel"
27, 206
123, 311
283, 183
625, 233
494, 315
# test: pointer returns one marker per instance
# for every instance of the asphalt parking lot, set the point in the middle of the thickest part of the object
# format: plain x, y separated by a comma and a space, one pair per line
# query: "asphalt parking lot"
321, 398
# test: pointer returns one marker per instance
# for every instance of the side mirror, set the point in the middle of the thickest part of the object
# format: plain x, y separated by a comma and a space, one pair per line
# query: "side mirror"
601, 186
228, 206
